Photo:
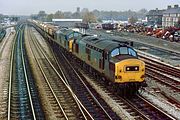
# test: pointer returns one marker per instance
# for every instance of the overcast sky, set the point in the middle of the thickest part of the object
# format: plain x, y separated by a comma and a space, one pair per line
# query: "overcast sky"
27, 7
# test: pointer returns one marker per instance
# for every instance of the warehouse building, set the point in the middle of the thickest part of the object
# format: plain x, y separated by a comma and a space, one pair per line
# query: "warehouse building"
66, 22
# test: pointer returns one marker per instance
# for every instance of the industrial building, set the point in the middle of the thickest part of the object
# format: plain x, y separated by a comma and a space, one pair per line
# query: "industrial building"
66, 22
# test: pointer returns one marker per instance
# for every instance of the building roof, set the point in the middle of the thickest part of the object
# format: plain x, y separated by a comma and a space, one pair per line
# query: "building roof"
67, 20
155, 12
172, 10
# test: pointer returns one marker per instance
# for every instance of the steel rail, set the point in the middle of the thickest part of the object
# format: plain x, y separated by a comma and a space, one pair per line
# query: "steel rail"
10, 76
26, 78
65, 82
37, 45
169, 116
88, 88
25, 74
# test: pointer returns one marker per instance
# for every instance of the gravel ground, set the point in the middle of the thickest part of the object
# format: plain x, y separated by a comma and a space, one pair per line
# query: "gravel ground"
123, 114
159, 100
42, 42
5, 68
167, 45
49, 114
154, 85
163, 104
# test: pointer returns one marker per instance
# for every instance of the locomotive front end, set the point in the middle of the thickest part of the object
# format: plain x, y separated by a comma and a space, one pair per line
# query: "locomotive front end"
126, 68
129, 70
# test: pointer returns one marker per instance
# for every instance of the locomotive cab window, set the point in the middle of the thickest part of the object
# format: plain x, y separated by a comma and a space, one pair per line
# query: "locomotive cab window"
115, 52
70, 36
132, 52
123, 51
76, 34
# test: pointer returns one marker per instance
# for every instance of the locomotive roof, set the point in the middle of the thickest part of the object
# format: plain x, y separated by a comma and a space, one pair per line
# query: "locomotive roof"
65, 31
102, 43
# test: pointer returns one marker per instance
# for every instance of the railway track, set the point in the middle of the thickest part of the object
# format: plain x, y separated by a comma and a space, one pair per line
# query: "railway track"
97, 109
23, 102
161, 67
5, 62
164, 74
137, 106
94, 104
147, 108
62, 99
140, 112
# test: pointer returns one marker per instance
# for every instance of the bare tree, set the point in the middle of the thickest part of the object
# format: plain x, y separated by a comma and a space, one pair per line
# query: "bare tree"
89, 17
49, 17
59, 15
41, 15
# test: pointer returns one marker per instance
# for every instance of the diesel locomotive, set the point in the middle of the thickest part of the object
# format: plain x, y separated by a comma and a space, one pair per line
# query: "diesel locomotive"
113, 60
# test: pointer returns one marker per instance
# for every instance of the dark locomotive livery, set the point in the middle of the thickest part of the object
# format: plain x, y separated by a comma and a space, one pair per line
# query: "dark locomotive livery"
113, 60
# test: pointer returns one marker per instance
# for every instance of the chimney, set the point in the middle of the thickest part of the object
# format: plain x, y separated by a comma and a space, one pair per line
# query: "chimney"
176, 6
168, 7
78, 9
156, 9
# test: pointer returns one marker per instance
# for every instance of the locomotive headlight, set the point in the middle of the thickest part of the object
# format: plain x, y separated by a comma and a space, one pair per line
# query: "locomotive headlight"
128, 68
136, 68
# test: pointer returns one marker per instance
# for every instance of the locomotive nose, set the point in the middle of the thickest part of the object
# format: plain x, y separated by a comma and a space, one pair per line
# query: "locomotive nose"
131, 70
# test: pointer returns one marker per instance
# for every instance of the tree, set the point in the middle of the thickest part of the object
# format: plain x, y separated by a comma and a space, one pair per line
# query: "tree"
99, 20
76, 15
49, 17
59, 15
143, 11
89, 17
132, 20
67, 15
34, 16
84, 10
41, 15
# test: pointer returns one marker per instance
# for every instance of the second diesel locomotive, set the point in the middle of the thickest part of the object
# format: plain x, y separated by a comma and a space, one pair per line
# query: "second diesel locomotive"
113, 60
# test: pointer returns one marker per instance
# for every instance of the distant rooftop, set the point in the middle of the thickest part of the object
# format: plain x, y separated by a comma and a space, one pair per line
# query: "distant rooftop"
175, 9
155, 12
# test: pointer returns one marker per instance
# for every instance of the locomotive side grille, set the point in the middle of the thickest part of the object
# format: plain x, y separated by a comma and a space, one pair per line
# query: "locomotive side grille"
132, 68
